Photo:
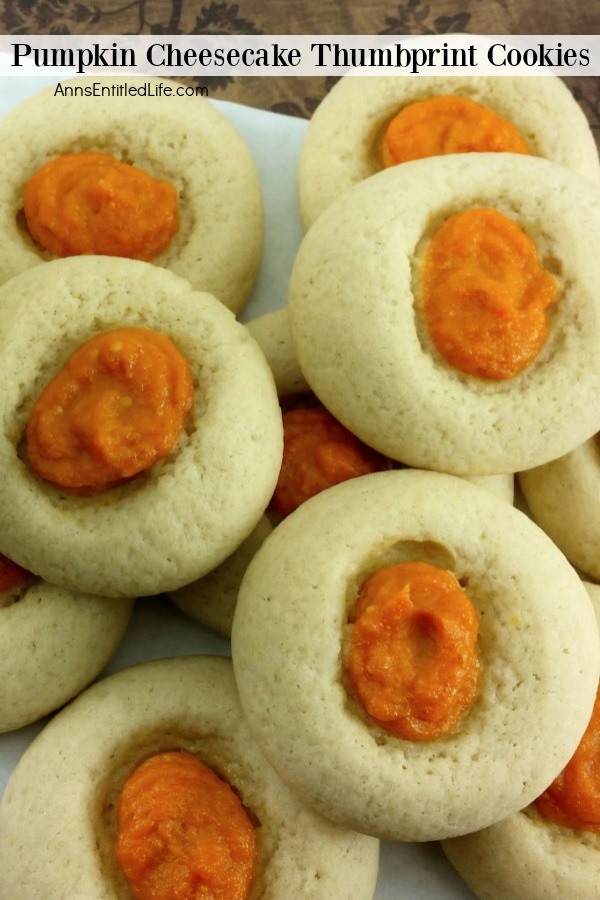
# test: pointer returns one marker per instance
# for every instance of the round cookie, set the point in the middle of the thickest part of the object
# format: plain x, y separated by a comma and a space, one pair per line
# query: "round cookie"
181, 518
538, 648
53, 643
64, 791
358, 326
564, 499
184, 141
211, 600
527, 857
503, 486
273, 335
343, 142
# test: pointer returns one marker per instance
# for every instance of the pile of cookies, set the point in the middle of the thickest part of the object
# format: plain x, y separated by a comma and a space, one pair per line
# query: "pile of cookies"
413, 658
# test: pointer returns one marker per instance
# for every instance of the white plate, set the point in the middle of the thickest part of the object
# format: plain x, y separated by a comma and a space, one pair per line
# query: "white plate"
158, 629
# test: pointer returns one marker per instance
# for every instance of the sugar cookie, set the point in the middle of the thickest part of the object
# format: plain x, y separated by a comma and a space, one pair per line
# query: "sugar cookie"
64, 791
183, 141
211, 600
564, 499
538, 651
178, 520
343, 141
363, 343
527, 857
273, 335
53, 642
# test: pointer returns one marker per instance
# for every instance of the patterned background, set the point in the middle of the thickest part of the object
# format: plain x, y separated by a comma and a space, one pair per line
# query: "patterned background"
296, 95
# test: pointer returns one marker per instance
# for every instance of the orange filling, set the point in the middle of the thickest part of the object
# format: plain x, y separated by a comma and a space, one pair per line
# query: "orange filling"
448, 124
11, 575
485, 294
118, 405
92, 203
318, 452
412, 660
183, 834
573, 798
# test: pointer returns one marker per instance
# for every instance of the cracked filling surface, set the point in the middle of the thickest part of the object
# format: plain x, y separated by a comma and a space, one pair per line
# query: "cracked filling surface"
448, 124
486, 294
117, 406
318, 452
412, 660
573, 798
91, 203
183, 832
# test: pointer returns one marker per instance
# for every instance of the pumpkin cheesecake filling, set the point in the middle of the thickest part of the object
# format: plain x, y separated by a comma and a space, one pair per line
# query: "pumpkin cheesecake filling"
412, 658
91, 203
119, 404
183, 833
318, 452
486, 295
447, 124
573, 798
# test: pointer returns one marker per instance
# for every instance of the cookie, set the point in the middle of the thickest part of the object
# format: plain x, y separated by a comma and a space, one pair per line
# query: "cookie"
503, 486
362, 332
211, 600
181, 517
53, 643
537, 649
273, 335
564, 499
343, 142
528, 857
65, 790
185, 142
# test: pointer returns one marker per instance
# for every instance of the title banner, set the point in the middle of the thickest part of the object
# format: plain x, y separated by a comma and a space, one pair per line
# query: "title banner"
308, 55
